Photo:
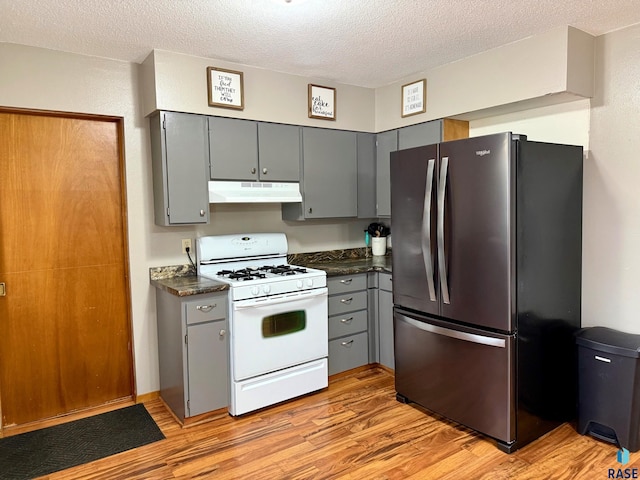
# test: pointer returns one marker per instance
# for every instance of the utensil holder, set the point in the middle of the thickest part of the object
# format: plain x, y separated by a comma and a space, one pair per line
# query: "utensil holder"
378, 245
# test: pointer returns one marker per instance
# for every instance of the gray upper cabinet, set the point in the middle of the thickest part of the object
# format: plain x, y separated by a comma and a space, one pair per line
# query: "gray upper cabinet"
278, 152
386, 142
255, 151
179, 152
366, 175
329, 176
233, 149
420, 134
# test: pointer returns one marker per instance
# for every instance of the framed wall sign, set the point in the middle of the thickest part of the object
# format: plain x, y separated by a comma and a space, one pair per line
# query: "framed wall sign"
225, 88
414, 98
322, 102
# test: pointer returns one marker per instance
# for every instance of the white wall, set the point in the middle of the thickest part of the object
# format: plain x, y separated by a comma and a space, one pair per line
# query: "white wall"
611, 287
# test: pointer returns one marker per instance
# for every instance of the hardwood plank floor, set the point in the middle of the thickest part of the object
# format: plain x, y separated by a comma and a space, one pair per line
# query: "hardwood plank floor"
355, 429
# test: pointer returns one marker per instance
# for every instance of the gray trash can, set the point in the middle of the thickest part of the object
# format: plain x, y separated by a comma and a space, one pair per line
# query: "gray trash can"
609, 386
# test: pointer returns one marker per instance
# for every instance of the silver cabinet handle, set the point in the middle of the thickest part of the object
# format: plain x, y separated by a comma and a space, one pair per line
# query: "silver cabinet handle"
347, 281
346, 300
346, 320
310, 210
426, 231
222, 333
202, 213
253, 170
442, 187
347, 344
206, 308
264, 170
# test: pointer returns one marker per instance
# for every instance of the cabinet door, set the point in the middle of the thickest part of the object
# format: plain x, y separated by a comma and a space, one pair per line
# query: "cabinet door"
419, 135
233, 149
279, 152
329, 173
208, 367
179, 155
366, 175
386, 142
385, 319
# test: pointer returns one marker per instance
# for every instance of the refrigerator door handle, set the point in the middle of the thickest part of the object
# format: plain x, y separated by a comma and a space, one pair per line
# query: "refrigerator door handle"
426, 231
442, 186
447, 332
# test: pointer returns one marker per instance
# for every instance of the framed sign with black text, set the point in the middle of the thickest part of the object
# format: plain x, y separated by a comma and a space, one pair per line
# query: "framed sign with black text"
225, 88
322, 102
414, 98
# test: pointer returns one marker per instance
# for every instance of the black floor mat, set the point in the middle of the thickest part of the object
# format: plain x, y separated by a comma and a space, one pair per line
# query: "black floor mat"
51, 449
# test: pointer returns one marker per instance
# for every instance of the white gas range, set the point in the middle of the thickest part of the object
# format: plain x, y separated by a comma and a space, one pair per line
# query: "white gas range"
277, 318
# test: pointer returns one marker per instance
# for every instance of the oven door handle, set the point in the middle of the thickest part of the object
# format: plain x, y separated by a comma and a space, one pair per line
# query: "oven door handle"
276, 299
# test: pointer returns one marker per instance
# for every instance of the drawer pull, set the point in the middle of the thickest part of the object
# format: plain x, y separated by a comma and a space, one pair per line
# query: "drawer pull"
346, 320
222, 333
206, 308
346, 300
347, 281
347, 344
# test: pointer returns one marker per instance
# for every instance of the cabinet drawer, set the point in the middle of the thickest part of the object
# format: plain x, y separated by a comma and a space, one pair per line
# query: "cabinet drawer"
347, 324
348, 352
348, 302
347, 283
384, 282
205, 309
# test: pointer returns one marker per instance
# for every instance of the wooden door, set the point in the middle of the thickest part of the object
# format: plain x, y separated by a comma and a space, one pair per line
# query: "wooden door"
65, 330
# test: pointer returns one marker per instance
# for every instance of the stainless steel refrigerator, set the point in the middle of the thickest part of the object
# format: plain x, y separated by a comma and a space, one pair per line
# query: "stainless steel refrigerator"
487, 235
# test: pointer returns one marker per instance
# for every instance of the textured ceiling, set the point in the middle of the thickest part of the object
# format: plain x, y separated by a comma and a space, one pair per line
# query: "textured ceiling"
360, 42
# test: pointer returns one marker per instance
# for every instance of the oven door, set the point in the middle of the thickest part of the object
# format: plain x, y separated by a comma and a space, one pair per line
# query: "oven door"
272, 333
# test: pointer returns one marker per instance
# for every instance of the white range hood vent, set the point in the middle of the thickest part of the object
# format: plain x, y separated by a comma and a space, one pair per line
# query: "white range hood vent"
253, 192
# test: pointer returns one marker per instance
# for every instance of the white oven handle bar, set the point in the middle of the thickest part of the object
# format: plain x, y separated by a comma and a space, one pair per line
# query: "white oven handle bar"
275, 299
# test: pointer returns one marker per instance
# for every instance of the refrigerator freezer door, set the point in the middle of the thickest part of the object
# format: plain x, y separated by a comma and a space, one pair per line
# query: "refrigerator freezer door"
413, 188
475, 225
464, 374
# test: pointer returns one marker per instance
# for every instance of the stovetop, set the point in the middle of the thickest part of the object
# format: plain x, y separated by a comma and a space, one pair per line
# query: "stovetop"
265, 272
254, 265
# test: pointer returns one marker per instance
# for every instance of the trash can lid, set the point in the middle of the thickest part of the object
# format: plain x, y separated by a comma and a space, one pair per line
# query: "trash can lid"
609, 340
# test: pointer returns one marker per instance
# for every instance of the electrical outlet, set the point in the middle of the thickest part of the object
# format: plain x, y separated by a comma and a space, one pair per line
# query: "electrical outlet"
186, 243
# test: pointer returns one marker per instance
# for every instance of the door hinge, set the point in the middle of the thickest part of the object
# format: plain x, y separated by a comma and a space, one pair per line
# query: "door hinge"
188, 408
3, 290
168, 212
186, 339
164, 123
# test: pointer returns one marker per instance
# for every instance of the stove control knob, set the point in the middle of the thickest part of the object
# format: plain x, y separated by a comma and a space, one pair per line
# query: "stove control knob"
299, 283
266, 288
309, 282
255, 291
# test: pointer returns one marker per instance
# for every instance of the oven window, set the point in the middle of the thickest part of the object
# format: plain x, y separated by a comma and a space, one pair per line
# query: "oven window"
284, 323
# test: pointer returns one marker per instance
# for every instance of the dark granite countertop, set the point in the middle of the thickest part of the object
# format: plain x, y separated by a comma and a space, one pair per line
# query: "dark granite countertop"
351, 266
181, 280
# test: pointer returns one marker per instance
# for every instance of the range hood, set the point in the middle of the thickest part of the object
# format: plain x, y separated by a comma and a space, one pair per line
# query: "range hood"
253, 192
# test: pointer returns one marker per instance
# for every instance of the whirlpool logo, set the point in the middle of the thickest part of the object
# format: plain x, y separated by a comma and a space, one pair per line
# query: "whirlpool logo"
622, 456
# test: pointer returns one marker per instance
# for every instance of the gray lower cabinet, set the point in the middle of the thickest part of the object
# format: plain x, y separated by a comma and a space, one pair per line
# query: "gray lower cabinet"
385, 320
254, 151
193, 352
329, 176
348, 322
180, 155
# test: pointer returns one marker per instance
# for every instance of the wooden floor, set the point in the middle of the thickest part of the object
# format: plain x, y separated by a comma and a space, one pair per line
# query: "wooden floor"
355, 429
